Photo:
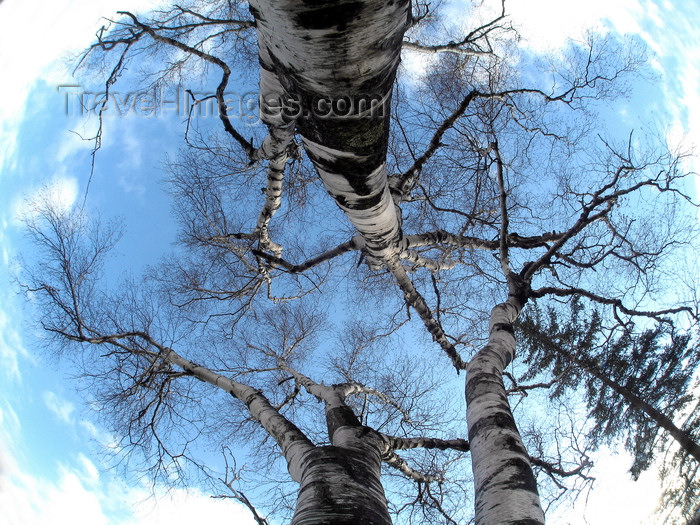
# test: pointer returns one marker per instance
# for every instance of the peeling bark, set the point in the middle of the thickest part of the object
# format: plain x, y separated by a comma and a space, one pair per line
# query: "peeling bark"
505, 487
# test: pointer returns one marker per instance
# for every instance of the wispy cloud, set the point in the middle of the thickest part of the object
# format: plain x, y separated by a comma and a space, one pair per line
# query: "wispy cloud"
669, 30
60, 407
77, 141
66, 28
76, 491
11, 346
61, 192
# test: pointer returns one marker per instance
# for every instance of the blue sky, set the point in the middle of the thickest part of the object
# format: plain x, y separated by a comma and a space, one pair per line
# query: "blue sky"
50, 461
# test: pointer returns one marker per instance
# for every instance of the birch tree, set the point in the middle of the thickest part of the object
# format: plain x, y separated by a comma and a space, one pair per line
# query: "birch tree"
424, 186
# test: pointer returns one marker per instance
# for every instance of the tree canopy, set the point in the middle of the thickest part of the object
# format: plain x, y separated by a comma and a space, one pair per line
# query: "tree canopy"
353, 274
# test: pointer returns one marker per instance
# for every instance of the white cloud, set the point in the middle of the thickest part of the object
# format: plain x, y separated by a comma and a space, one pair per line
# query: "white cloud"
546, 25
668, 28
187, 507
76, 141
615, 498
91, 475
64, 27
61, 408
79, 496
80, 493
29, 500
61, 192
65, 190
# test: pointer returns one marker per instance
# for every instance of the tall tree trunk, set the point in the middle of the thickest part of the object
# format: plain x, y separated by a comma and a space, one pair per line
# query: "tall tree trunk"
333, 65
505, 487
340, 484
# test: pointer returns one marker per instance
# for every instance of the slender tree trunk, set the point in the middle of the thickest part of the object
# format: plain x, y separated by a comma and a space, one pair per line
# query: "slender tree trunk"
330, 67
505, 487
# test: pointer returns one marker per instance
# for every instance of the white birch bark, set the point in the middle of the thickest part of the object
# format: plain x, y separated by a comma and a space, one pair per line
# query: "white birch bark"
274, 147
293, 442
341, 483
417, 301
505, 487
338, 484
346, 53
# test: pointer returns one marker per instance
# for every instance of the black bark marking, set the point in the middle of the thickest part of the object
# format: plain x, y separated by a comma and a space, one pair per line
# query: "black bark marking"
500, 420
507, 327
256, 14
342, 484
341, 416
365, 136
513, 444
327, 17
522, 480
484, 383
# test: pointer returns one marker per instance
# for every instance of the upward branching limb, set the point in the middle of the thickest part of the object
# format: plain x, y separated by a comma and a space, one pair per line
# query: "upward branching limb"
513, 240
292, 441
221, 88
336, 394
503, 206
273, 201
416, 301
353, 244
111, 79
596, 207
203, 20
392, 459
420, 261
399, 443
476, 42
588, 85
555, 470
523, 389
401, 185
231, 477
277, 147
